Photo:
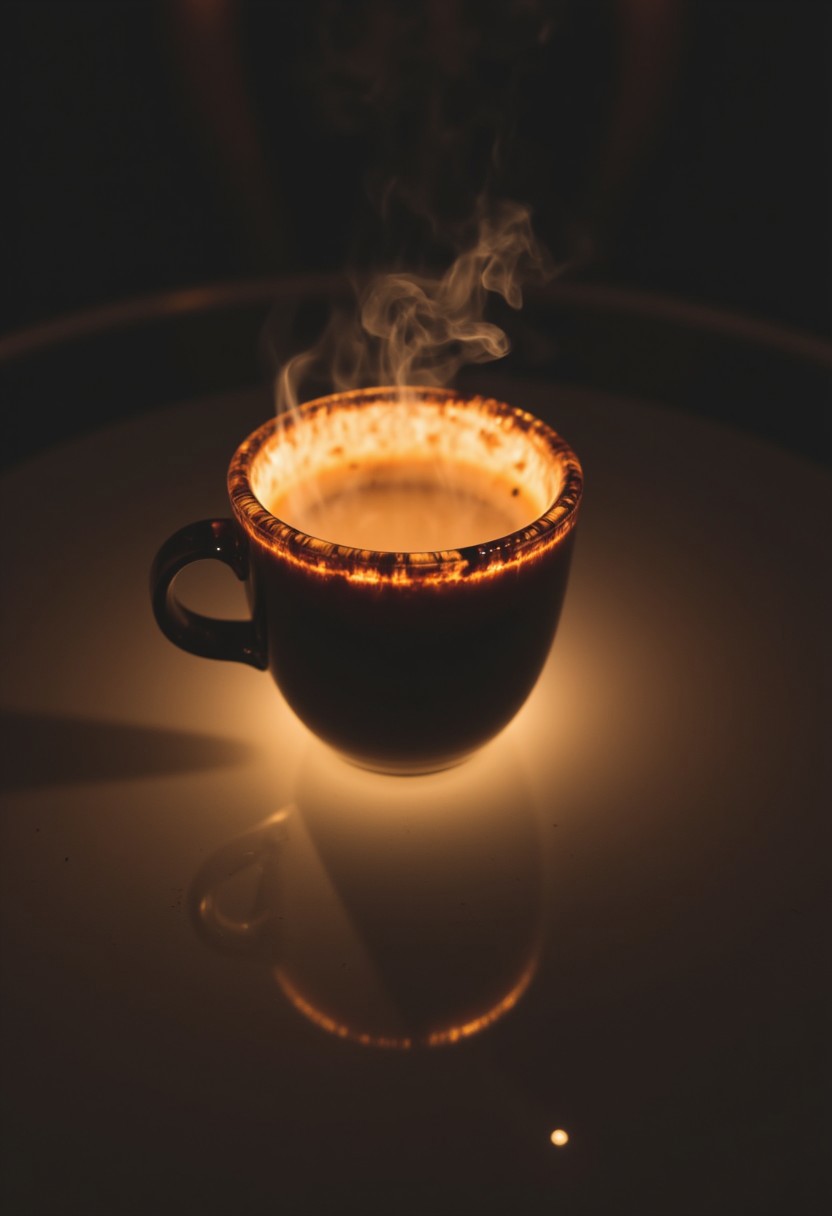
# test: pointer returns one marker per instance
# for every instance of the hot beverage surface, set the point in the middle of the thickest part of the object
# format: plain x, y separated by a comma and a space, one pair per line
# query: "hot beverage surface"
406, 506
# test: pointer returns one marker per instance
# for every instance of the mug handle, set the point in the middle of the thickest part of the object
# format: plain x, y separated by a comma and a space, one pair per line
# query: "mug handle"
252, 935
202, 635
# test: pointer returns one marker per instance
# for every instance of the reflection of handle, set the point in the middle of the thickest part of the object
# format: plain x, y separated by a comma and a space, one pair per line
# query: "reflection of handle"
202, 635
254, 934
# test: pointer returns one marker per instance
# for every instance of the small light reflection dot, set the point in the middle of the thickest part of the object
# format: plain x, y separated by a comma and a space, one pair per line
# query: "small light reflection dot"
559, 1137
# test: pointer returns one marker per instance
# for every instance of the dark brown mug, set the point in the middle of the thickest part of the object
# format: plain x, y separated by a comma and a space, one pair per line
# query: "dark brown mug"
402, 661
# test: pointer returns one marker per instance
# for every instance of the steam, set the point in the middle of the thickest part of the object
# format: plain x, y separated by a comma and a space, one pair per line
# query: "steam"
412, 329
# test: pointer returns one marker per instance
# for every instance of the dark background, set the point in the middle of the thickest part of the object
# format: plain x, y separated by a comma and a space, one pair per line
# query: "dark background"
668, 147
120, 182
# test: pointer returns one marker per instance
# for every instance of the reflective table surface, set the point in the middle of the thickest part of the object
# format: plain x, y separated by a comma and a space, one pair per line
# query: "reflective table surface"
582, 973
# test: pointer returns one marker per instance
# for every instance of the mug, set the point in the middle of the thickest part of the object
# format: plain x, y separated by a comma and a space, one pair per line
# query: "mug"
403, 659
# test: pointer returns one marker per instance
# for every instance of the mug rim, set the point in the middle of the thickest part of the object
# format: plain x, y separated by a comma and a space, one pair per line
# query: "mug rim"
484, 560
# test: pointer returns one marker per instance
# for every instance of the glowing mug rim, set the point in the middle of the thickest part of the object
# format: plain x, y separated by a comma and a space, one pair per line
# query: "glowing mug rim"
373, 565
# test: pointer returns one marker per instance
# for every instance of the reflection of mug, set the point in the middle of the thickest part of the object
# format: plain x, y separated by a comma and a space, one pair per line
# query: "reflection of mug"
393, 914
408, 653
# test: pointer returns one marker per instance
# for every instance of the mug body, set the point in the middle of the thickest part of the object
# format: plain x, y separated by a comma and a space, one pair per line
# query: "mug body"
406, 677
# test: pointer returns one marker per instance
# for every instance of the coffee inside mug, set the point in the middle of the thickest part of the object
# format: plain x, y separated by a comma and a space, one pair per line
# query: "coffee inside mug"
408, 475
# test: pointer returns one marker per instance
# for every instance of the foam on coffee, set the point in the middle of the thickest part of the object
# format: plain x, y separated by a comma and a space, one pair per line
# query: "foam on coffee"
406, 506
414, 476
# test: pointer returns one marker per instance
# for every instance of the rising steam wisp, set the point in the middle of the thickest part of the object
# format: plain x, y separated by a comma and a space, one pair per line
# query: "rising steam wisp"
413, 329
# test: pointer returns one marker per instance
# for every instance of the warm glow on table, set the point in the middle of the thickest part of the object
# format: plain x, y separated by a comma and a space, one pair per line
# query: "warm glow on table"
669, 763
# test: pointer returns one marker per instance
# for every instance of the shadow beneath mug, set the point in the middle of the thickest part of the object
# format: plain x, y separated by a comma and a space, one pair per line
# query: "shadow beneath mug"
39, 750
392, 913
